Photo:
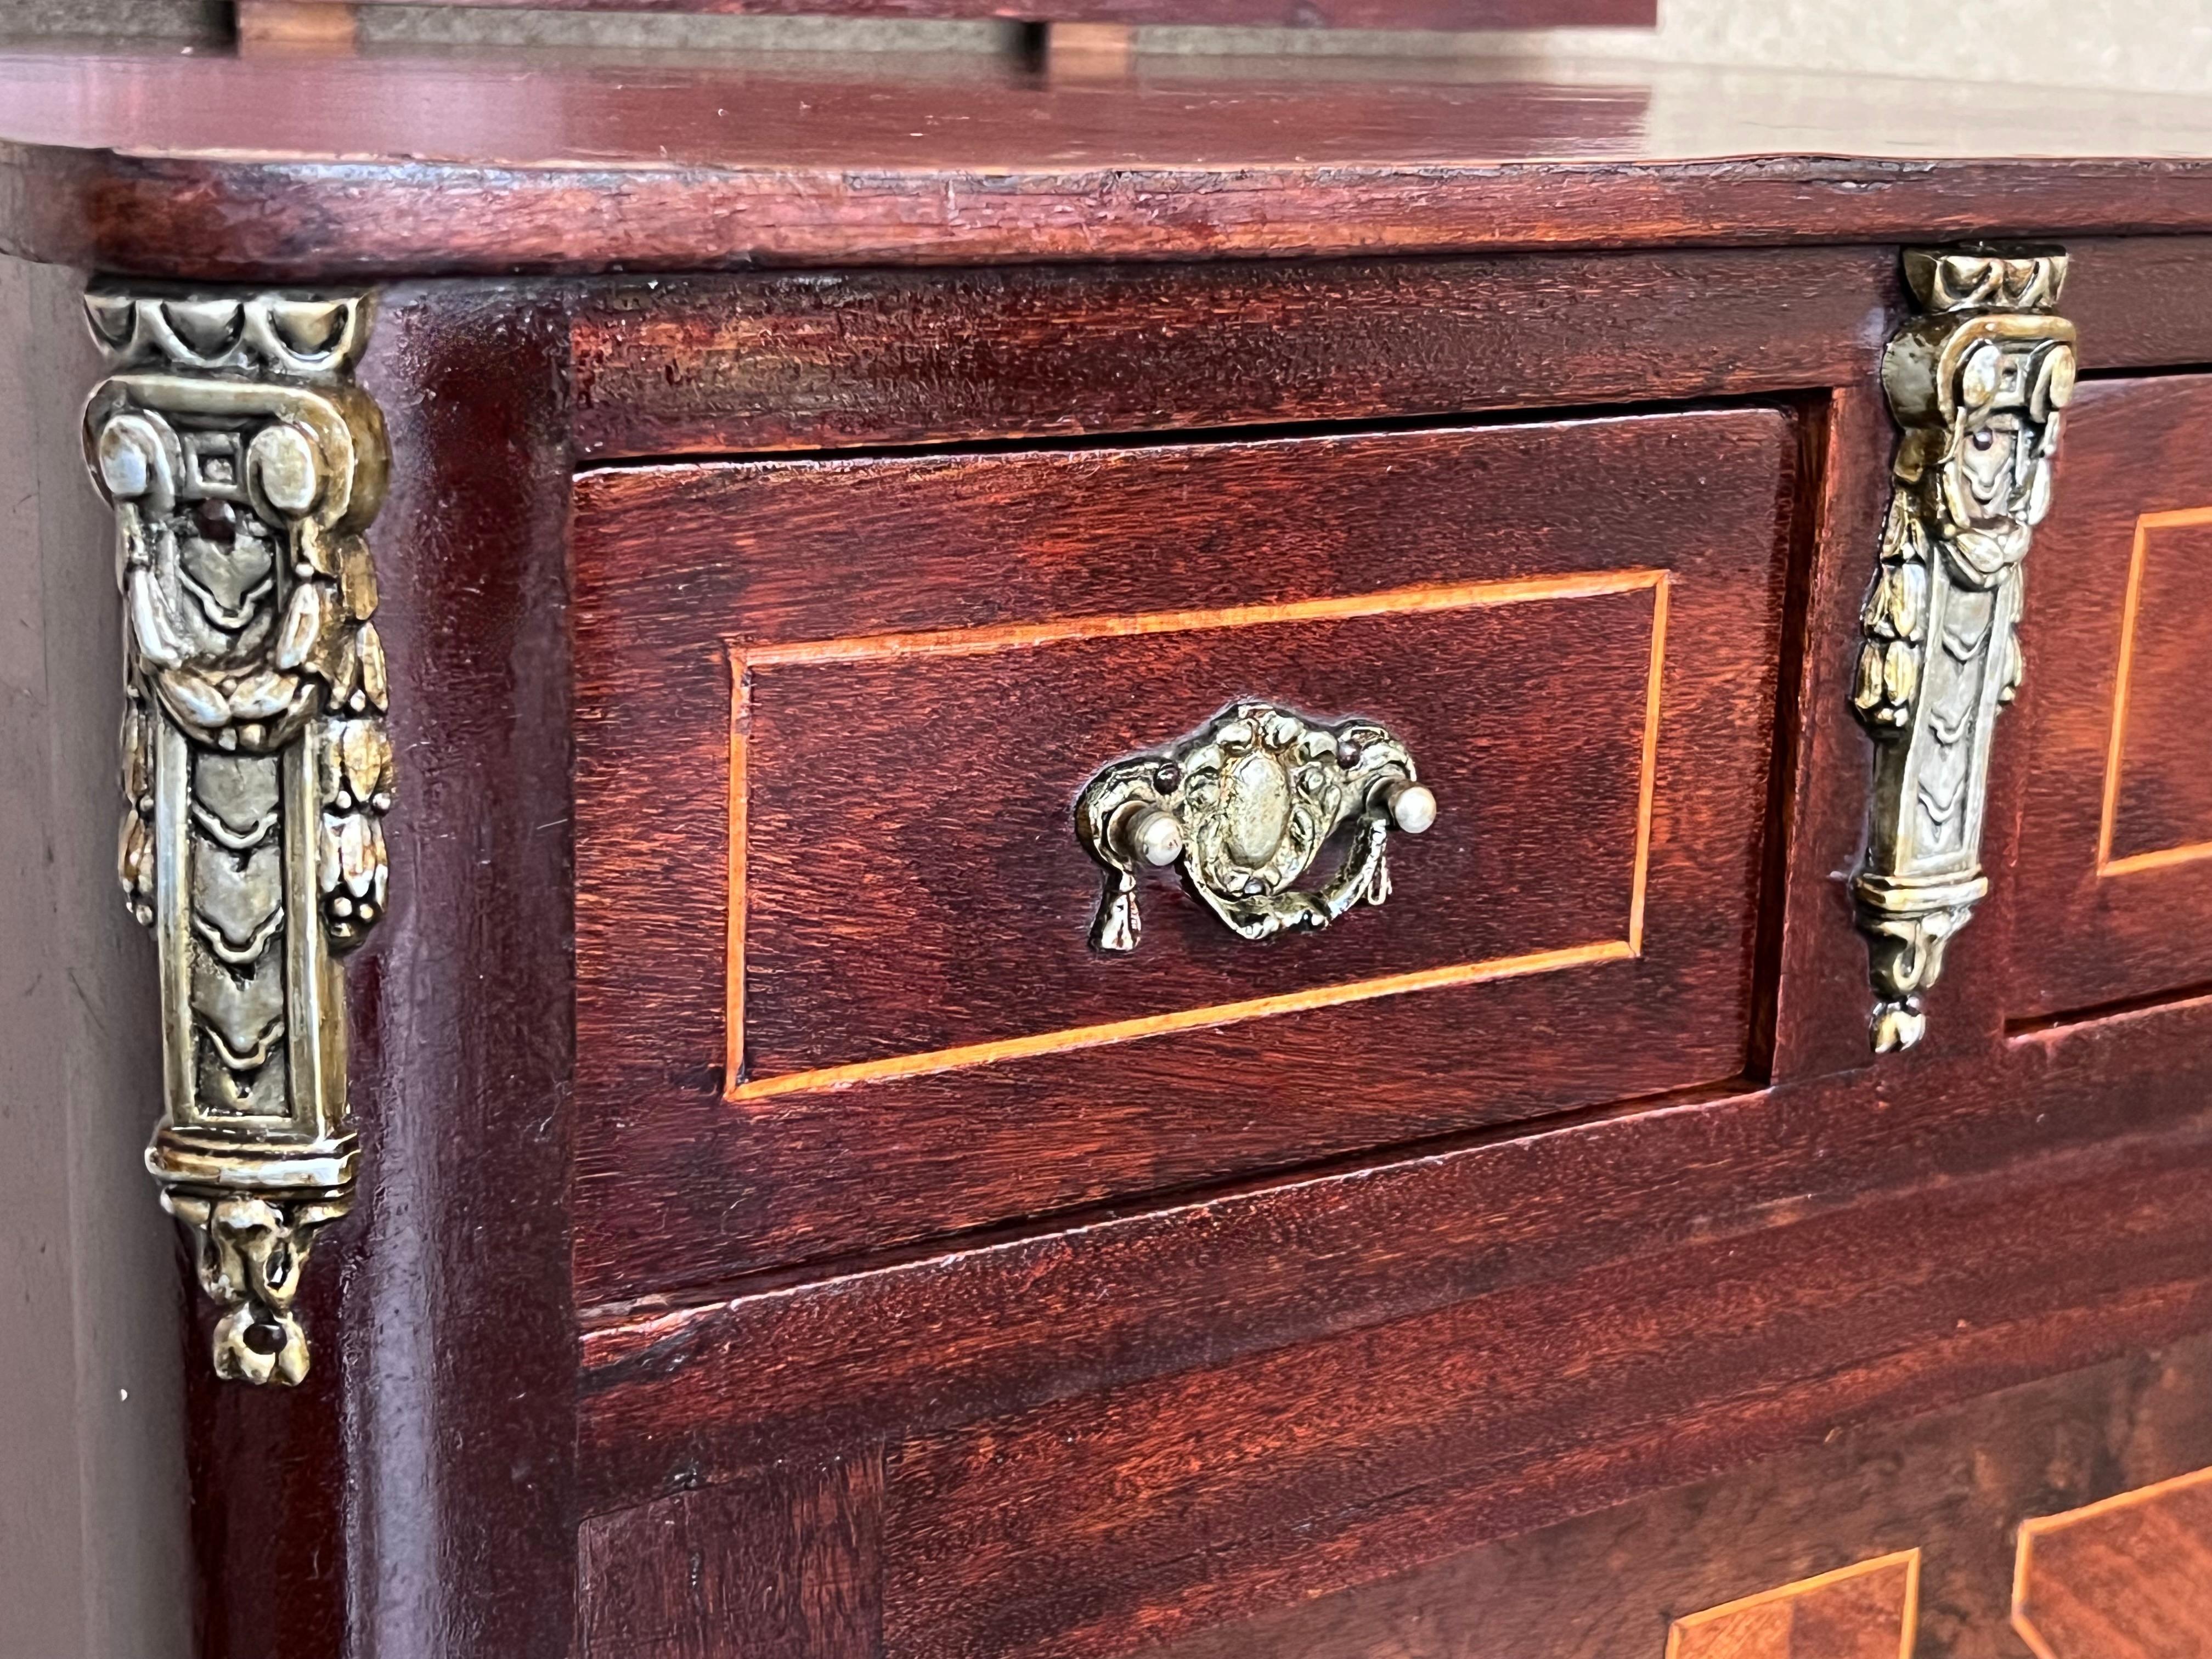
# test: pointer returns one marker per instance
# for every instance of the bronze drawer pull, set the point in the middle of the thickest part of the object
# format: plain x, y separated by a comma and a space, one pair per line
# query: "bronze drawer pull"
1243, 806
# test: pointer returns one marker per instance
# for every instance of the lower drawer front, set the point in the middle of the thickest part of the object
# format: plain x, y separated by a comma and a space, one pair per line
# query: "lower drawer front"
837, 982
2113, 879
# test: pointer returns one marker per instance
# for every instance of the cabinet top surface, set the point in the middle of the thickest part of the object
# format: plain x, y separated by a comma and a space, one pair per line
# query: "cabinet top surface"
206, 165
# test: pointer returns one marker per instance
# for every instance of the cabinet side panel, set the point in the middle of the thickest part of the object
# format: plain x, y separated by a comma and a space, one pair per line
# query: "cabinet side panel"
413, 1496
93, 1551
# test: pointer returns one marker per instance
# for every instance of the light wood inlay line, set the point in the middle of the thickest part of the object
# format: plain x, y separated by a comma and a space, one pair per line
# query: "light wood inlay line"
2190, 1569
1738, 1630
1395, 602
1183, 1019
2164, 856
1647, 781
743, 656
733, 963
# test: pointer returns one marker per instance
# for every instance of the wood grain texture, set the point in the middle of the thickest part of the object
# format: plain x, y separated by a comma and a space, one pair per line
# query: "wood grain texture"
2140, 303
678, 1187
415, 1497
207, 168
1090, 1524
1869, 1610
949, 1339
995, 1364
323, 220
912, 892
2137, 304
1812, 965
1952, 1485
779, 361
2127, 1577
786, 1565
264, 1513
1109, 1513
2099, 921
459, 1343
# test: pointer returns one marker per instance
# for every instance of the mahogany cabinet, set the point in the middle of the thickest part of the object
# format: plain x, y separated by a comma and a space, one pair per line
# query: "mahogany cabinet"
1331, 863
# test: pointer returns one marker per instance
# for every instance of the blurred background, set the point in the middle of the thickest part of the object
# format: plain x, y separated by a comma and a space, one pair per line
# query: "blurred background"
2162, 46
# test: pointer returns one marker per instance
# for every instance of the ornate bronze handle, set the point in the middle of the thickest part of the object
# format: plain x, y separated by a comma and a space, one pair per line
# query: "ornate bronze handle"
1243, 806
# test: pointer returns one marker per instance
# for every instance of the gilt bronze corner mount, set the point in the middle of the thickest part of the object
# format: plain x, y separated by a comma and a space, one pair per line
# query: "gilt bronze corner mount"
1977, 382
243, 466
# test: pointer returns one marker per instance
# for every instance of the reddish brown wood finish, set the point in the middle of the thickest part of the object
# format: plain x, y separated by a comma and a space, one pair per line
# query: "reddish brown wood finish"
2141, 304
459, 1338
803, 362
213, 168
416, 1497
2113, 894
786, 1565
769, 362
940, 924
1952, 1485
1083, 1523
1302, 1386
1213, 1374
2126, 1578
319, 221
2158, 787
1088, 1525
929, 1344
1812, 958
914, 891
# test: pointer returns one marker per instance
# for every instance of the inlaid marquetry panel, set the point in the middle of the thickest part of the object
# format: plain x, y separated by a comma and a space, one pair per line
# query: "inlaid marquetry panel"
2127, 1578
933, 862
1867, 1611
2157, 808
2110, 881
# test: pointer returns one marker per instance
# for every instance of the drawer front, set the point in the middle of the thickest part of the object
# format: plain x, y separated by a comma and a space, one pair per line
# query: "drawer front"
2113, 877
837, 986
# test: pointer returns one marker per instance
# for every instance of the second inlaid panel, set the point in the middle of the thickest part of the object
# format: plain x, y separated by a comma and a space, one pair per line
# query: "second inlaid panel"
2113, 877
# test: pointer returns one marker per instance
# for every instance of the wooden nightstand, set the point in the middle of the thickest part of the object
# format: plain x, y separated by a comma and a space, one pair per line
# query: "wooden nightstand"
1010, 865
